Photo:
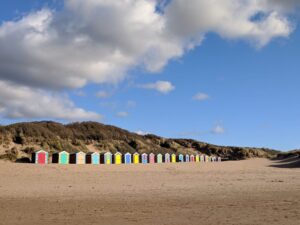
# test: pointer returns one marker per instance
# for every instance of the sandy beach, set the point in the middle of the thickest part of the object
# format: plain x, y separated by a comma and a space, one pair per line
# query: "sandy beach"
257, 191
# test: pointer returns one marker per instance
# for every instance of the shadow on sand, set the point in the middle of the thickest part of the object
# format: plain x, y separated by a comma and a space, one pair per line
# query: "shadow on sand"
290, 162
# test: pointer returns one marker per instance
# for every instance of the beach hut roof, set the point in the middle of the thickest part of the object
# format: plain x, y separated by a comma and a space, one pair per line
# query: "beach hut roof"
167, 154
107, 153
136, 153
118, 153
63, 152
151, 153
92, 153
159, 154
144, 154
41, 151
127, 153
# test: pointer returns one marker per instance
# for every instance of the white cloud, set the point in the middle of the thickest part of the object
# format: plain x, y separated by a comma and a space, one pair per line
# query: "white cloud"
103, 94
201, 96
122, 114
98, 41
131, 104
218, 129
160, 86
141, 132
22, 102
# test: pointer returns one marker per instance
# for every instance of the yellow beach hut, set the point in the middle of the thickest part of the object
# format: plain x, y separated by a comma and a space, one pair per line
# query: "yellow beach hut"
173, 158
118, 158
197, 158
136, 158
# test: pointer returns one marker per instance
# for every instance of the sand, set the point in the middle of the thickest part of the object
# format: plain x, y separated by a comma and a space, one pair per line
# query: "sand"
241, 192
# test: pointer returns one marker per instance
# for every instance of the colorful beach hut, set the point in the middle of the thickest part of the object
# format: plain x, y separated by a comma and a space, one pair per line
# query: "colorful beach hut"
136, 158
180, 158
173, 158
151, 158
40, 157
127, 158
167, 158
187, 158
77, 158
144, 158
118, 158
93, 158
202, 158
61, 157
219, 159
197, 158
159, 158
192, 158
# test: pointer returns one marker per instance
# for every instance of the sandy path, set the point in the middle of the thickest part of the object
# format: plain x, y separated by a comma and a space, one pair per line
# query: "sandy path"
245, 192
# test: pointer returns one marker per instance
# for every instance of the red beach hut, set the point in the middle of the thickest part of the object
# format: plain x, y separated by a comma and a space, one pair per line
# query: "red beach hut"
40, 157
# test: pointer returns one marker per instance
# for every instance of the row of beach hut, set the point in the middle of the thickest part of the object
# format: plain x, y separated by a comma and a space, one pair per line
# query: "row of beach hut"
42, 157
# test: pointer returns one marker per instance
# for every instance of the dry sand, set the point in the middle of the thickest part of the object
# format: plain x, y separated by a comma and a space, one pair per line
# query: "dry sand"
243, 192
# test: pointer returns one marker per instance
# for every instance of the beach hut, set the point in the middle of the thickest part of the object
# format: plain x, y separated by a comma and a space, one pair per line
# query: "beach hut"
61, 157
40, 157
118, 158
180, 158
107, 158
219, 159
192, 158
206, 158
173, 158
151, 158
202, 158
136, 158
167, 158
159, 158
144, 158
187, 158
127, 158
197, 158
93, 158
77, 158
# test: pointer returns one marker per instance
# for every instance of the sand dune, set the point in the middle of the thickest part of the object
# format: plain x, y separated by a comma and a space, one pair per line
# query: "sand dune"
242, 192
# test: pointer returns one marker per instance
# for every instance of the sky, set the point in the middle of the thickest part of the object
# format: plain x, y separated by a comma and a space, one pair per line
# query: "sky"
224, 72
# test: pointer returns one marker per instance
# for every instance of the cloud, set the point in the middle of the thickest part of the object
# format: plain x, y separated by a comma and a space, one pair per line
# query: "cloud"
161, 86
131, 104
80, 93
18, 102
55, 51
218, 129
141, 132
201, 97
103, 94
122, 114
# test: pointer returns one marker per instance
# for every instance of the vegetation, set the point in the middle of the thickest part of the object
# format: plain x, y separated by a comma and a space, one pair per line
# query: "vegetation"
19, 141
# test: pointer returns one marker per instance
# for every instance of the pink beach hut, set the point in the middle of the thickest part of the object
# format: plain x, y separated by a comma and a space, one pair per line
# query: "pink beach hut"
151, 158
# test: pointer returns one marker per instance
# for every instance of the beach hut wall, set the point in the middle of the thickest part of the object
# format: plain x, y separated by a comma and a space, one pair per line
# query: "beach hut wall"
61, 157
187, 158
192, 158
40, 157
151, 158
80, 158
197, 158
219, 159
107, 158
180, 158
136, 158
144, 158
159, 158
93, 158
202, 159
167, 158
173, 158
127, 158
118, 158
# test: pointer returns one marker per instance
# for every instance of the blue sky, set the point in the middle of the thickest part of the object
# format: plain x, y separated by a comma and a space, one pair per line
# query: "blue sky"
249, 91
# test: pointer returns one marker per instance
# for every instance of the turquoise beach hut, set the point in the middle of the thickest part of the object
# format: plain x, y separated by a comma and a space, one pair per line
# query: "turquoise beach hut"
93, 158
180, 158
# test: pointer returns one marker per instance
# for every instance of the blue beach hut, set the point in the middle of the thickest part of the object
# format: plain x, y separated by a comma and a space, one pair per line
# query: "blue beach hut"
127, 158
